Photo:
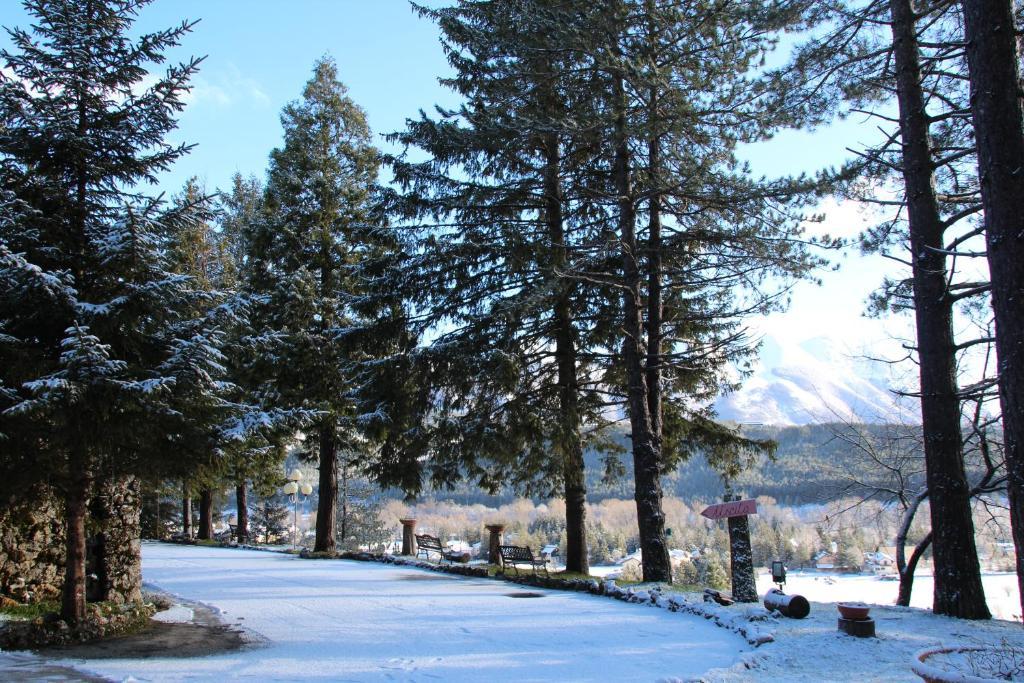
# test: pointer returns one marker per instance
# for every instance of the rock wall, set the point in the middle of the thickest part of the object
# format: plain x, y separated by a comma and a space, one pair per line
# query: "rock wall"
32, 534
115, 529
31, 547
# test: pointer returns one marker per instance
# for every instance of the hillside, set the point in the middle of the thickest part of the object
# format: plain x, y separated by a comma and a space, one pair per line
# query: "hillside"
807, 469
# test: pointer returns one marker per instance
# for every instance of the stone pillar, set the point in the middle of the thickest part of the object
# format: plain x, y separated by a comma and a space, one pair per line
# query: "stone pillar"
408, 543
122, 503
493, 553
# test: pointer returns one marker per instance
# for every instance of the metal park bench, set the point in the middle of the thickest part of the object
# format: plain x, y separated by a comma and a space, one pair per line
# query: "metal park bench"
514, 555
234, 535
426, 544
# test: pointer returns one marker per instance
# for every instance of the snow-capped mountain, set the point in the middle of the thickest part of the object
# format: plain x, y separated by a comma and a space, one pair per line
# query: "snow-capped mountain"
818, 380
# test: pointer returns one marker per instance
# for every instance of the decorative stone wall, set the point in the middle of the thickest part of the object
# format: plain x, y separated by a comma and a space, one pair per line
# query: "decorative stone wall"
32, 535
31, 547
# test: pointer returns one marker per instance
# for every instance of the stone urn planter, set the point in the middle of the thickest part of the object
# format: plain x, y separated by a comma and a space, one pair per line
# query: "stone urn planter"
854, 619
853, 610
969, 664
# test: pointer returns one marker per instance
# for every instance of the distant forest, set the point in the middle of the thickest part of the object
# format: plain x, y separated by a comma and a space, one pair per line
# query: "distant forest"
810, 466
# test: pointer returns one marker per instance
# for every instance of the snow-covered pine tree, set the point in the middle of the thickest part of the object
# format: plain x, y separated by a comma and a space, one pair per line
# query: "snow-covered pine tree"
305, 257
81, 131
701, 243
499, 208
359, 508
256, 460
270, 520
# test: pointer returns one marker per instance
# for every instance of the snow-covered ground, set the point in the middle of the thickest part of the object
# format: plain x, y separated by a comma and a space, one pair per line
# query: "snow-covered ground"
1001, 591
358, 621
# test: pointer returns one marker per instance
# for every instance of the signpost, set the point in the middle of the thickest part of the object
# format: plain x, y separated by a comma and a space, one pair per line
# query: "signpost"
735, 508
740, 556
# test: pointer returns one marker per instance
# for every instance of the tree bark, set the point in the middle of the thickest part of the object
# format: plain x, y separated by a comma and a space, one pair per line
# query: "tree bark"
186, 511
326, 510
655, 303
75, 508
205, 514
907, 572
646, 452
905, 569
343, 496
958, 589
741, 560
242, 512
570, 443
993, 64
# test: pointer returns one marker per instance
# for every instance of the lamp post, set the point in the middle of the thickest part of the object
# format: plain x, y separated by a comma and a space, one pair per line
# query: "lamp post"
293, 489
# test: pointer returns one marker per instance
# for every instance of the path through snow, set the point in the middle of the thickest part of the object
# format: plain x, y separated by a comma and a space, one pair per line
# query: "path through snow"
358, 621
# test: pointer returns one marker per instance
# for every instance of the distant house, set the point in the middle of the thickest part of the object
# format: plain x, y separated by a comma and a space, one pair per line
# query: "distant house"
675, 556
825, 561
879, 562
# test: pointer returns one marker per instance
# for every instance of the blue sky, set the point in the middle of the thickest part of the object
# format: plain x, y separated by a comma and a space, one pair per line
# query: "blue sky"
259, 54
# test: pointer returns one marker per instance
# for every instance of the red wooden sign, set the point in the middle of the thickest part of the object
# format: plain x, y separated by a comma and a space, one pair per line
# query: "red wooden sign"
735, 508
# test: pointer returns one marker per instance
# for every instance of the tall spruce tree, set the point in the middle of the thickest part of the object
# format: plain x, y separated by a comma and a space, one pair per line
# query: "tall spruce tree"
87, 300
304, 259
256, 460
701, 241
497, 210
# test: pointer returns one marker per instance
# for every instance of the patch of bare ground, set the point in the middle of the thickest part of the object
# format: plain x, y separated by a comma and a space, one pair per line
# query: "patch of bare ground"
206, 634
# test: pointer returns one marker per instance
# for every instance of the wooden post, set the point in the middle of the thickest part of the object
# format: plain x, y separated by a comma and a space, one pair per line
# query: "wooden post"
741, 560
493, 552
408, 530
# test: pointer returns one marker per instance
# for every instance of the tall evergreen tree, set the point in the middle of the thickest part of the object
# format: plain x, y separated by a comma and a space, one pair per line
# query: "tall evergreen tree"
701, 241
499, 210
88, 302
304, 257
256, 460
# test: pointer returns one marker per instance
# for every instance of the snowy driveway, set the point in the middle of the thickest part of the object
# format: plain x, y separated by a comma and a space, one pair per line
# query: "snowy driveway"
359, 621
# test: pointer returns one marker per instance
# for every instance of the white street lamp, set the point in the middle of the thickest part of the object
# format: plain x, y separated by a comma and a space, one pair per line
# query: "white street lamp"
293, 489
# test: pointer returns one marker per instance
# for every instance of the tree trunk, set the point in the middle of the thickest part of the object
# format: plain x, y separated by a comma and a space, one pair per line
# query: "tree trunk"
655, 304
907, 572
741, 559
905, 569
993, 63
186, 511
75, 508
958, 589
205, 514
343, 531
241, 513
646, 453
570, 443
326, 510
